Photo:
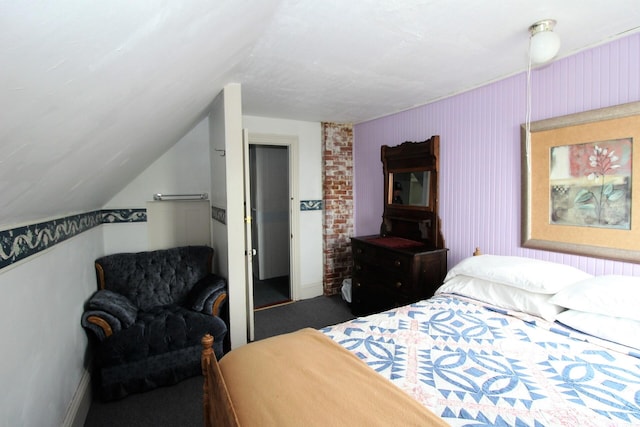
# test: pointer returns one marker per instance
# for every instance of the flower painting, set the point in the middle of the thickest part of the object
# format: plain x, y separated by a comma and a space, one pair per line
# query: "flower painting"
579, 193
590, 184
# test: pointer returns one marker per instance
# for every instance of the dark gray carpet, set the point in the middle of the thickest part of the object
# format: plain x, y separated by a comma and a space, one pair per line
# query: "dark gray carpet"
270, 291
181, 405
176, 406
315, 313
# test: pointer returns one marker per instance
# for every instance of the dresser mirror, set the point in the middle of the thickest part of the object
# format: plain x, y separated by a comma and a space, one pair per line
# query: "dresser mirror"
409, 188
411, 191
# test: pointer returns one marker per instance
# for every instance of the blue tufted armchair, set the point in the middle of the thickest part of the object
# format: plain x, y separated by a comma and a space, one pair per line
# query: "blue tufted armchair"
148, 316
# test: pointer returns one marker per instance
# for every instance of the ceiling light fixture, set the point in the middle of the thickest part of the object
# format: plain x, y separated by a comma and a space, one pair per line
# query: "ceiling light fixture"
544, 43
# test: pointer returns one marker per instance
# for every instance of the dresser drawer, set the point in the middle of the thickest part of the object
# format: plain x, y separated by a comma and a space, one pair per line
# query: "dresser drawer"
397, 268
384, 278
368, 297
397, 263
364, 253
372, 257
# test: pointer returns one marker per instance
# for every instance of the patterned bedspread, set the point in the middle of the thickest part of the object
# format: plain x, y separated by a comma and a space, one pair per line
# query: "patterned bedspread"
475, 366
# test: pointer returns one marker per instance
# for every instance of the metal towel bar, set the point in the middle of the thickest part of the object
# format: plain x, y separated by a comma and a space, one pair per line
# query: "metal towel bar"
164, 197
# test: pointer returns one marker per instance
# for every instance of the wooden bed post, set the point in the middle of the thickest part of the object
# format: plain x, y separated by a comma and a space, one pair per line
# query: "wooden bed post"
217, 407
207, 354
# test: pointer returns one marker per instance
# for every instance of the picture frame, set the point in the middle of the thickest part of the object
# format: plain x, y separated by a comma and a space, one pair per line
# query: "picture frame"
580, 189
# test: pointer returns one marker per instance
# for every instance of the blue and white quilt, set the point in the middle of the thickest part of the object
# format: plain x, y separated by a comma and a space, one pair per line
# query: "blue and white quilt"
474, 366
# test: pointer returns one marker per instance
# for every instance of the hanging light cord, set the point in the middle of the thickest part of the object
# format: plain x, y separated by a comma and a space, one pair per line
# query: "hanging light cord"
527, 119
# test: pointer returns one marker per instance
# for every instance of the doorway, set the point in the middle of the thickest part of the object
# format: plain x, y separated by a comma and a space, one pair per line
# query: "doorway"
269, 175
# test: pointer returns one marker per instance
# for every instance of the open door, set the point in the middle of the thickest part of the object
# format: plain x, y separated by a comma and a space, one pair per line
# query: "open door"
271, 225
287, 232
249, 251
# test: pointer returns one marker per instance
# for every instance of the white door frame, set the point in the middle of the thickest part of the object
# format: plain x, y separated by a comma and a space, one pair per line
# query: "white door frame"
249, 251
291, 142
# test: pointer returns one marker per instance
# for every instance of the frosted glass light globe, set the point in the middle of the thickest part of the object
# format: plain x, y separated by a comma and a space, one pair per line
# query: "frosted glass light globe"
544, 46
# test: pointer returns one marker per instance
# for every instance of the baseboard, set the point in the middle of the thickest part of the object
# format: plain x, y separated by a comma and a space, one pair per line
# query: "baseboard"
79, 406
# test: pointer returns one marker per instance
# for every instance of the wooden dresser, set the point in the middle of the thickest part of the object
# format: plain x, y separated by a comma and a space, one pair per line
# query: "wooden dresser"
390, 272
407, 261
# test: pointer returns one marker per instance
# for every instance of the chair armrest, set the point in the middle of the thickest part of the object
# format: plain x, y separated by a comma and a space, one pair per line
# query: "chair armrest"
115, 305
101, 323
215, 302
208, 294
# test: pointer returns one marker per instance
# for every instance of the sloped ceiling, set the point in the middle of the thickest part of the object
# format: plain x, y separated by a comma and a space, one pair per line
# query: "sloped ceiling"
93, 92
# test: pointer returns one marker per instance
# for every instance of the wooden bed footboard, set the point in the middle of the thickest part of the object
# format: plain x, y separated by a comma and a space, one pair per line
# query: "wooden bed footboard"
217, 407
302, 378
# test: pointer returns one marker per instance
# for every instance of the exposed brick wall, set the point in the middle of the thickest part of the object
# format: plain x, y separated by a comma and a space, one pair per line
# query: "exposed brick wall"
337, 161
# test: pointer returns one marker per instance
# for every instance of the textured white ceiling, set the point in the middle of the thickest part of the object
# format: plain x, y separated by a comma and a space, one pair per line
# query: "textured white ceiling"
93, 92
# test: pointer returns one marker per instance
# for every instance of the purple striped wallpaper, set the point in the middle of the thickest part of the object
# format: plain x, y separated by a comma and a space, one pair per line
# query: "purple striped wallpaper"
480, 149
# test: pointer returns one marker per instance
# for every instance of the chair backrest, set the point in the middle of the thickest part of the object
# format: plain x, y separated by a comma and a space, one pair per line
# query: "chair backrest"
154, 278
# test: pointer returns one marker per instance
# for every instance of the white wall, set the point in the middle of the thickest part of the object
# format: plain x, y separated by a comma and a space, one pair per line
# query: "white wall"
310, 188
218, 182
183, 169
43, 344
129, 237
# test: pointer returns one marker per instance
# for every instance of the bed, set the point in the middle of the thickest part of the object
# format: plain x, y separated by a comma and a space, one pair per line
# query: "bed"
506, 341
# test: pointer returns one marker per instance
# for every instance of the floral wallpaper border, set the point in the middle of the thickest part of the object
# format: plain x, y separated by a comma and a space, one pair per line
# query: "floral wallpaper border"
22, 242
219, 214
19, 243
124, 215
311, 205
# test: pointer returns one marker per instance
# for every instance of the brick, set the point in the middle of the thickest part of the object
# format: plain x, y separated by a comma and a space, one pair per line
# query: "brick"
337, 140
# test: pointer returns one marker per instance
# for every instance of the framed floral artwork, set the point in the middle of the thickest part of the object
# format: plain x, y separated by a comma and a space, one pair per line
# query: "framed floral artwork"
580, 194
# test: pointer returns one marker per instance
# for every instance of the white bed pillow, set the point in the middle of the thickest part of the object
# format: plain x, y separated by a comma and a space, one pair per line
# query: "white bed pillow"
530, 274
611, 295
615, 329
503, 296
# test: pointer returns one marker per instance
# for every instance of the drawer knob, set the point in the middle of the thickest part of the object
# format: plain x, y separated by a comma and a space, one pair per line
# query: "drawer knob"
397, 263
358, 284
398, 284
358, 267
358, 251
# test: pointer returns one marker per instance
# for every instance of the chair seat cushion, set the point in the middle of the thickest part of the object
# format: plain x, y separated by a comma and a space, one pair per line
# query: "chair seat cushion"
160, 330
